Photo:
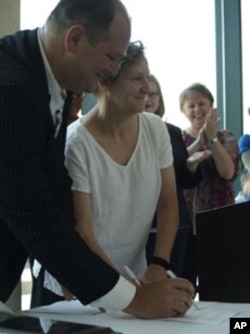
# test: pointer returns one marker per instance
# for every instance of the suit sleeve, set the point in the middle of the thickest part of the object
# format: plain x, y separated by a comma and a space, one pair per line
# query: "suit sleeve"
39, 217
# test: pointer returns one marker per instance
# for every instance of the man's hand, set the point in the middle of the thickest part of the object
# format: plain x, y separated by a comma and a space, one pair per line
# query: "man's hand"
162, 299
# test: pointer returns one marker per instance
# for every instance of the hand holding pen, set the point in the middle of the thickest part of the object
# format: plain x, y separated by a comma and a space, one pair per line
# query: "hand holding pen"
170, 273
131, 275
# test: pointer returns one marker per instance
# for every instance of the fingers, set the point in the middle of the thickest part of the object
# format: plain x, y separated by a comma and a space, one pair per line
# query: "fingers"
180, 307
180, 303
162, 299
182, 284
205, 154
183, 300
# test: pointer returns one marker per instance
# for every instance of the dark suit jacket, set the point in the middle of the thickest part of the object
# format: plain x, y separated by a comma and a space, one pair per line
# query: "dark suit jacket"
184, 178
36, 213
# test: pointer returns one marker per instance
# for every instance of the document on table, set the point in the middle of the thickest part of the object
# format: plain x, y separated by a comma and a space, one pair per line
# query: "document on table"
5, 312
208, 313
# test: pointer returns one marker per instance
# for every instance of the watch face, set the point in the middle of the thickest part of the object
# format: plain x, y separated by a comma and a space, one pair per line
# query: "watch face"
214, 140
32, 325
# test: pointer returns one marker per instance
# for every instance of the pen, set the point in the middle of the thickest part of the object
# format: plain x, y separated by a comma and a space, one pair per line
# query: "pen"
171, 274
131, 275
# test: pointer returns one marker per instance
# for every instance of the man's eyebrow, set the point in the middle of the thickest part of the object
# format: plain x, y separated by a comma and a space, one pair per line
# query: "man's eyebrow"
117, 57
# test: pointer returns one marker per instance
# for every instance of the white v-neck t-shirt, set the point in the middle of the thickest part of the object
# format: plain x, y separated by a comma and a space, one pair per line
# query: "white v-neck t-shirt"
124, 198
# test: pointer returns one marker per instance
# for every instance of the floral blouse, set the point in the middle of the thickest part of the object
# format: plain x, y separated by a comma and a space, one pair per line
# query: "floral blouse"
213, 191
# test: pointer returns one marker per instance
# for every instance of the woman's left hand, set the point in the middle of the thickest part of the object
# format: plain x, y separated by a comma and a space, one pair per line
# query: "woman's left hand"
155, 273
211, 126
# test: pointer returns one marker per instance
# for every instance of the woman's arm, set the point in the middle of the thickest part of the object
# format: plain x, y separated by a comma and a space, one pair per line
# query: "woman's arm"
84, 225
167, 223
197, 144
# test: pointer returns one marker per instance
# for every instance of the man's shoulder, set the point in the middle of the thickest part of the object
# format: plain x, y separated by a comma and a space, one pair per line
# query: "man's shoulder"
19, 54
19, 35
21, 63
18, 44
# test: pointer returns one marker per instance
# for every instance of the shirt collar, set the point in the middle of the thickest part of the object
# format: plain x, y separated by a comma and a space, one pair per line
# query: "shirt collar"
57, 94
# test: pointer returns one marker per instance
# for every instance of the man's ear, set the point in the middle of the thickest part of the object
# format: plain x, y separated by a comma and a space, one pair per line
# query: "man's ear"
73, 37
104, 83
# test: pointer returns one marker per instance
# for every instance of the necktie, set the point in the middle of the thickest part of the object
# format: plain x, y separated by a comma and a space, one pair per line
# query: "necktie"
58, 121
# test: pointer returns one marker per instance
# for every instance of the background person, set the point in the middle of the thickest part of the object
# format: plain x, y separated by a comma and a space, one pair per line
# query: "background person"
186, 175
244, 149
221, 168
243, 194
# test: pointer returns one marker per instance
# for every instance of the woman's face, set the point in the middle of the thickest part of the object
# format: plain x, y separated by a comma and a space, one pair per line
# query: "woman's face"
196, 107
130, 90
153, 98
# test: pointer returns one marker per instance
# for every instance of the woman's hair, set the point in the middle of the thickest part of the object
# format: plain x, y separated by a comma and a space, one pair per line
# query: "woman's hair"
195, 88
95, 15
135, 51
161, 110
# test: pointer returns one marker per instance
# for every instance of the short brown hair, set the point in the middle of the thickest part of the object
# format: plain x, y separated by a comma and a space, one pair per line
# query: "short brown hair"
195, 88
95, 15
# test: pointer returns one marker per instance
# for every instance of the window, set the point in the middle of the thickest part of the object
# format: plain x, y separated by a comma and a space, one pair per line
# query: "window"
179, 37
245, 8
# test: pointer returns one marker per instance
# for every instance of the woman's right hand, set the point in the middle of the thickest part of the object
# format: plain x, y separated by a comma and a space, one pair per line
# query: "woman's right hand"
196, 158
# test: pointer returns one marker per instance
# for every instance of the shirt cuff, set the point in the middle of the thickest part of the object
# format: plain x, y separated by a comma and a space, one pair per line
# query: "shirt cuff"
118, 298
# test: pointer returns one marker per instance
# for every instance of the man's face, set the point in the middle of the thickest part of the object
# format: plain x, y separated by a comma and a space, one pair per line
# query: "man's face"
90, 62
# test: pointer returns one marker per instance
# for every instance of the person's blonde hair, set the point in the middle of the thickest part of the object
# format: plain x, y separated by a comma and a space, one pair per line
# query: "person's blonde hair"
161, 110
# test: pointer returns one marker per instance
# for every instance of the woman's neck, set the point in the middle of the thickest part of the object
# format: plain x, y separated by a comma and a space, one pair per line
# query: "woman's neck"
111, 124
192, 132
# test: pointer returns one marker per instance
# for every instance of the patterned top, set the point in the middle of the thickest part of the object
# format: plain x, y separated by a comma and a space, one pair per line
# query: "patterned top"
213, 191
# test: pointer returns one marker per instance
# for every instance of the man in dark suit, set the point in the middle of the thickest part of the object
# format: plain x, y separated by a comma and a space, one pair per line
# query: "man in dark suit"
82, 41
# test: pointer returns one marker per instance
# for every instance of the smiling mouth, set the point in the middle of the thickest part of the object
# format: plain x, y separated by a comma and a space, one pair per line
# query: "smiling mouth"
199, 116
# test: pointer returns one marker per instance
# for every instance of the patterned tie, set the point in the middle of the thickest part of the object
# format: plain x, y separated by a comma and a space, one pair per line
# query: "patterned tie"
58, 121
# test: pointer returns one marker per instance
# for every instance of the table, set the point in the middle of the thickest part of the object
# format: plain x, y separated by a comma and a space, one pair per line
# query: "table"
212, 317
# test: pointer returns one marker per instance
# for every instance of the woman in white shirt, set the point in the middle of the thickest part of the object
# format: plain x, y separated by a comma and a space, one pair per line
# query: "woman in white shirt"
120, 161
